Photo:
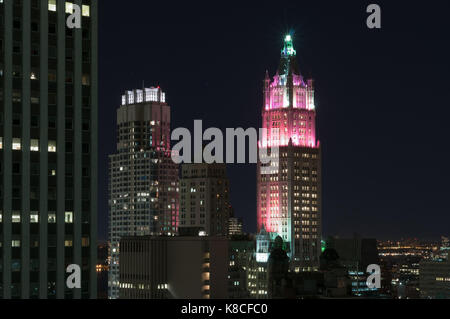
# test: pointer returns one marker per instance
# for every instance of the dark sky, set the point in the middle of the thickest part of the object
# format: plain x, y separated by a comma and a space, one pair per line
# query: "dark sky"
382, 96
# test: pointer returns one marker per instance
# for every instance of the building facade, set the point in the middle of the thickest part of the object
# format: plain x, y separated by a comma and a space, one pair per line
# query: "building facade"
289, 192
204, 198
434, 280
143, 179
235, 226
242, 259
258, 276
174, 268
48, 148
356, 254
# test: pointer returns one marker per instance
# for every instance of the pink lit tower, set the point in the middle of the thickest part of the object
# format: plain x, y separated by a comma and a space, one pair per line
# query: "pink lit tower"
289, 192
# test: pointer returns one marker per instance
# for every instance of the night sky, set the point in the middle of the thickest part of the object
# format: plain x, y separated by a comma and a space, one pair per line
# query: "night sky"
382, 96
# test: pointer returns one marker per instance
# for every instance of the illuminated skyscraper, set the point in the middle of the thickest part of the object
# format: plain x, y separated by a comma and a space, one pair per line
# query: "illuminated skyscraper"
289, 193
48, 149
143, 184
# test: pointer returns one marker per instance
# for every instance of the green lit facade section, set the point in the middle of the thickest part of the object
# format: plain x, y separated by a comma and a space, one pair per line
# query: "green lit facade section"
323, 246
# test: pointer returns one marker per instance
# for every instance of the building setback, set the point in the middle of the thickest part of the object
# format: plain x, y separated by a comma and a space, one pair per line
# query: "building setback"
289, 193
48, 148
143, 179
174, 268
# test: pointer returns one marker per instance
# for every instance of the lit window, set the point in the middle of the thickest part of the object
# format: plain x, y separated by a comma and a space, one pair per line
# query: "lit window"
69, 217
151, 95
140, 96
85, 242
86, 11
52, 218
1, 143
51, 5
51, 146
34, 218
69, 7
130, 97
34, 145
86, 79
17, 144
15, 244
16, 218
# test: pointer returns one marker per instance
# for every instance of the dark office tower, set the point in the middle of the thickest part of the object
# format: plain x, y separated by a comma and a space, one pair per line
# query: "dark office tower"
143, 179
204, 199
48, 148
289, 189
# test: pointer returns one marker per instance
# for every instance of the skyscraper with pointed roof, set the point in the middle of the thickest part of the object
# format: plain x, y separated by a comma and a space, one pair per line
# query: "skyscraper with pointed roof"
289, 193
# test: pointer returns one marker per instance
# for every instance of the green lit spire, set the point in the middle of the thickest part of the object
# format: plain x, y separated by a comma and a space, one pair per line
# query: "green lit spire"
288, 63
289, 46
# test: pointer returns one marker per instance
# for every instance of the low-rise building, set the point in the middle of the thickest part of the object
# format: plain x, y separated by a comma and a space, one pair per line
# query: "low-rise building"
174, 268
434, 280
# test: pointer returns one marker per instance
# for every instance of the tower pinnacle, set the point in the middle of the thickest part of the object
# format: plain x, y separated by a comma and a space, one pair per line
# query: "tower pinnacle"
289, 46
288, 63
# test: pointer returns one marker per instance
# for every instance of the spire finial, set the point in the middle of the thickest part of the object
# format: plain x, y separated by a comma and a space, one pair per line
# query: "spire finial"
289, 46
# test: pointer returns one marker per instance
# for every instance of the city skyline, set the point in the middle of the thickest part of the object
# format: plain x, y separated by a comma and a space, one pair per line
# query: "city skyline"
376, 178
115, 180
